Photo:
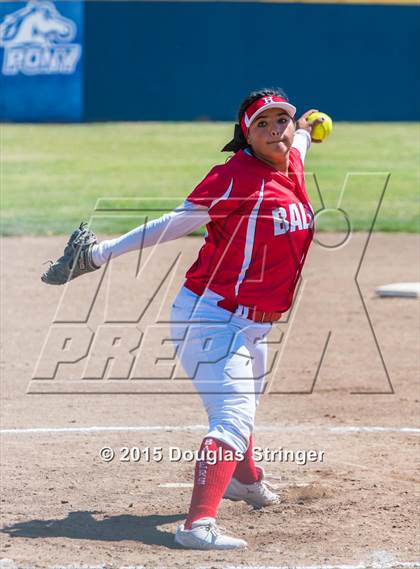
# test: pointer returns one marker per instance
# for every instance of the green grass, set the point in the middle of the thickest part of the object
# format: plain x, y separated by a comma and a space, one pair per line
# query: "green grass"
53, 175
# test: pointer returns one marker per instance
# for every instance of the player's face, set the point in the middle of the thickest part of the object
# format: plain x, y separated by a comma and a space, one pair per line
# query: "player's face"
271, 135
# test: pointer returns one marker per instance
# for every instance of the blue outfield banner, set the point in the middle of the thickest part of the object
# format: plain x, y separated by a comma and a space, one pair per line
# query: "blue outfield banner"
41, 61
196, 60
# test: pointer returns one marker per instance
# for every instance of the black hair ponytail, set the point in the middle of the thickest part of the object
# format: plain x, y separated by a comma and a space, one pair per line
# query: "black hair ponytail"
238, 141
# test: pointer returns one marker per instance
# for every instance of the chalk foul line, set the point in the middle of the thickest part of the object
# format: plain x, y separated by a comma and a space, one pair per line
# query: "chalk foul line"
342, 430
10, 564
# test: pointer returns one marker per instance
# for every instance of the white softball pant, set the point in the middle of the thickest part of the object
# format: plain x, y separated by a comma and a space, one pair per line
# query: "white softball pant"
225, 355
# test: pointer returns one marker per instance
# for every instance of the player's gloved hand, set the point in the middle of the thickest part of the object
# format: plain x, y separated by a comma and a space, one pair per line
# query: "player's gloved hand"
303, 124
76, 259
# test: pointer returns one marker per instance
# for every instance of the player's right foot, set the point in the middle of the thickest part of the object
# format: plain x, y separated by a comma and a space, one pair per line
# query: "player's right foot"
204, 534
76, 259
257, 494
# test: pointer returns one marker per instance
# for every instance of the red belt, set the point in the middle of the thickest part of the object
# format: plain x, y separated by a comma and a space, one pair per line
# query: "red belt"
231, 306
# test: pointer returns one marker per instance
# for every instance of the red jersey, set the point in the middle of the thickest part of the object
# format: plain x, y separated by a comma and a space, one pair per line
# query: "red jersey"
259, 234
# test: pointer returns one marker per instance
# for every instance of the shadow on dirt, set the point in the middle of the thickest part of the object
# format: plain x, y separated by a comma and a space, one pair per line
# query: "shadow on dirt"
82, 525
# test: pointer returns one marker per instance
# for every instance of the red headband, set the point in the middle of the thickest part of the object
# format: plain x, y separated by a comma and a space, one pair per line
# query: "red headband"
260, 105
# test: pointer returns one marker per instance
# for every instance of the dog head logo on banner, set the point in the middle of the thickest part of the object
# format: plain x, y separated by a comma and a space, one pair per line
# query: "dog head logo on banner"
37, 40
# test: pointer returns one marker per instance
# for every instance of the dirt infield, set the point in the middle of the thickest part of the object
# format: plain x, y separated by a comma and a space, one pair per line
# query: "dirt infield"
343, 380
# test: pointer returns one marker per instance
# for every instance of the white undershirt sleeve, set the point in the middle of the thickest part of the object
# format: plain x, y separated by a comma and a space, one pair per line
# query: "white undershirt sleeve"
302, 142
179, 222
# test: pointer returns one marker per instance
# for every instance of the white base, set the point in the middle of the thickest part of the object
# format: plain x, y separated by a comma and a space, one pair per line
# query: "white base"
403, 290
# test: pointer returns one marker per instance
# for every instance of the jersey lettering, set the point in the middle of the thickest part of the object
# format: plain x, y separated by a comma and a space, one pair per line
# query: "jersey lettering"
298, 219
281, 225
295, 219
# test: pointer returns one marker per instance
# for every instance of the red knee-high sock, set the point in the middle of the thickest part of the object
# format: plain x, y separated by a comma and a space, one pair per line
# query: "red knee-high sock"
246, 470
211, 479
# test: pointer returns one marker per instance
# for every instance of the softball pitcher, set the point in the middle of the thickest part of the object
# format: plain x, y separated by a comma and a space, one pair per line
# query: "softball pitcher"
259, 226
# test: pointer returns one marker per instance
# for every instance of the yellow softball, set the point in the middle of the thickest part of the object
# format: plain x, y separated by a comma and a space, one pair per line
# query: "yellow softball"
321, 130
